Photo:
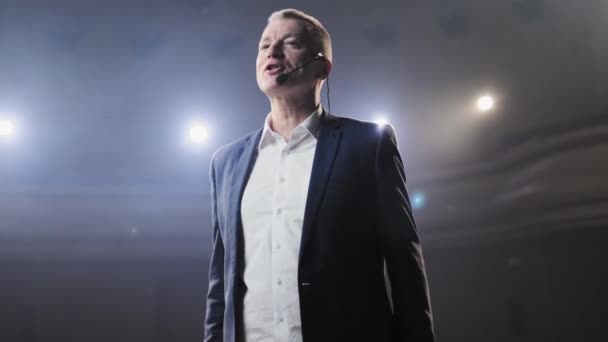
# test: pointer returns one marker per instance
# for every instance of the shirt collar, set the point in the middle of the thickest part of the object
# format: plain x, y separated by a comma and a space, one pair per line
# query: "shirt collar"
310, 126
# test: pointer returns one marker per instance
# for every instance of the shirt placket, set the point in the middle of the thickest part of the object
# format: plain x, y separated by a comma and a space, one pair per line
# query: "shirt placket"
278, 243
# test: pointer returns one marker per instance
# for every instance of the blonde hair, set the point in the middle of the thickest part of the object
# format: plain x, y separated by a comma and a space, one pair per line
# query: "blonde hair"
320, 37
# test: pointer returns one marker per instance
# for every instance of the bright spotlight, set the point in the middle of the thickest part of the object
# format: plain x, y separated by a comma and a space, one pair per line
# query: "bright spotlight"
418, 200
485, 103
198, 134
381, 121
7, 128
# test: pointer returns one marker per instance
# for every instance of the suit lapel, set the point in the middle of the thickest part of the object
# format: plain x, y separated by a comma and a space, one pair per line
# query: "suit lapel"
242, 171
325, 154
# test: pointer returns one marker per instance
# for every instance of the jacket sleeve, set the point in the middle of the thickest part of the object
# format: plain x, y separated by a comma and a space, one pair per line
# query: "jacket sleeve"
400, 245
214, 317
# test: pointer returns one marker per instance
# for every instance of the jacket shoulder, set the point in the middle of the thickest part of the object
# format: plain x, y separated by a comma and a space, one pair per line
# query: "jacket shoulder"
362, 130
231, 151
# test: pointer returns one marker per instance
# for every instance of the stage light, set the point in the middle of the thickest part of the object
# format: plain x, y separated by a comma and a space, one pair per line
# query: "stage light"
381, 121
485, 103
198, 134
7, 128
418, 200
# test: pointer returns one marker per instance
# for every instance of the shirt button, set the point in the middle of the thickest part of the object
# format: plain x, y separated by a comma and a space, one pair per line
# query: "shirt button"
282, 179
281, 319
277, 246
279, 211
279, 282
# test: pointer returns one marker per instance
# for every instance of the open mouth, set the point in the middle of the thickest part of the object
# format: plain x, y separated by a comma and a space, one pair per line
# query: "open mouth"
274, 69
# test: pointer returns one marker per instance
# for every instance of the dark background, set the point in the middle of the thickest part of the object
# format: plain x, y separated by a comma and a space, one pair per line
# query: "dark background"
104, 209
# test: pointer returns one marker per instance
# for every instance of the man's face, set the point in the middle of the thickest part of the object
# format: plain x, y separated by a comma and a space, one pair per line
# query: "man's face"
284, 45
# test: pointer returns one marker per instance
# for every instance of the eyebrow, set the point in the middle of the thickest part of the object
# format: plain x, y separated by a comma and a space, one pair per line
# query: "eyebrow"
288, 35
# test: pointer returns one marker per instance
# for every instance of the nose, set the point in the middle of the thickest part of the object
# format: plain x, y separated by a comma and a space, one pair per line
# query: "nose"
275, 51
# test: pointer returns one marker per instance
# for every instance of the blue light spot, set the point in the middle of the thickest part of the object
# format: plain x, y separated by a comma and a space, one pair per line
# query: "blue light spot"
418, 200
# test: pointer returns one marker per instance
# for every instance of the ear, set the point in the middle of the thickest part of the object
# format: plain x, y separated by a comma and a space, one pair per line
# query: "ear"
328, 67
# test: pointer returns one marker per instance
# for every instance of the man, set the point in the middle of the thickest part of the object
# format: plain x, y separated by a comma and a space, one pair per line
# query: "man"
306, 212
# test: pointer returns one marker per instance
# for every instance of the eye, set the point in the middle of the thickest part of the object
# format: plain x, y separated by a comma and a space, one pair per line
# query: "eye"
264, 47
292, 43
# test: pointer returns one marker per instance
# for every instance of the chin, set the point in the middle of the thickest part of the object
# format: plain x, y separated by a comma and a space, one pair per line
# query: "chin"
267, 84
271, 87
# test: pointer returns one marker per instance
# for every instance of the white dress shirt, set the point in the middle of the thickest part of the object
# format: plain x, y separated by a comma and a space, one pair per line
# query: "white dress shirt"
272, 212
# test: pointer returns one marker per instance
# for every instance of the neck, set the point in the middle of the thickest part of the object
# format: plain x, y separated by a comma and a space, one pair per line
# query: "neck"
288, 112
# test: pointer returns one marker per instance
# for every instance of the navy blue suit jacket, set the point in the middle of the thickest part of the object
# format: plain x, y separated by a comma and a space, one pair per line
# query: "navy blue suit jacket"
357, 218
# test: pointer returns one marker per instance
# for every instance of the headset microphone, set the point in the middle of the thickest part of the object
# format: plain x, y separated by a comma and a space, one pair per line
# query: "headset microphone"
282, 78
